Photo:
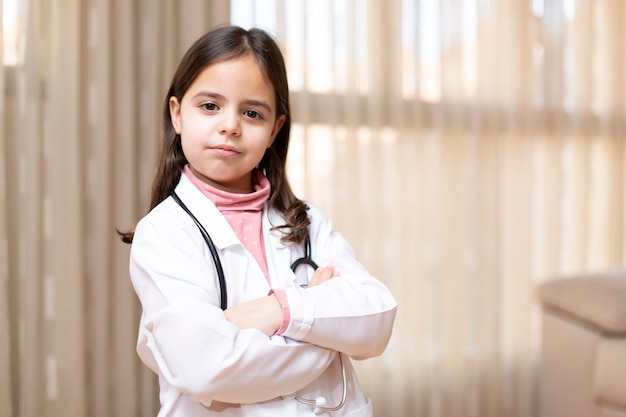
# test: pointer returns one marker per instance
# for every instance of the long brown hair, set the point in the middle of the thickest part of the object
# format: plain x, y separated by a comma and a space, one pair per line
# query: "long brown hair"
223, 44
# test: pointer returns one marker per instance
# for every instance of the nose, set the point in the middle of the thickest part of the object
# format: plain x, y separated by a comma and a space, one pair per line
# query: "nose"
229, 124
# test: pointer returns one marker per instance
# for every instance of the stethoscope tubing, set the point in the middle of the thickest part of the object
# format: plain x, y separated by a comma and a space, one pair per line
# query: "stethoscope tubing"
319, 408
216, 259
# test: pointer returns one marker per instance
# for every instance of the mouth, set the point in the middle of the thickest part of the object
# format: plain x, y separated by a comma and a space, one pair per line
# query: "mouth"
225, 150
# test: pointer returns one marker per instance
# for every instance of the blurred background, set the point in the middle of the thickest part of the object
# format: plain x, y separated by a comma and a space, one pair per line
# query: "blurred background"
468, 149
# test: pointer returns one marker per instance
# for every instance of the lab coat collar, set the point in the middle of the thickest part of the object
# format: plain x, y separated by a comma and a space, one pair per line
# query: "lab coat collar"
218, 227
207, 214
278, 254
223, 236
272, 218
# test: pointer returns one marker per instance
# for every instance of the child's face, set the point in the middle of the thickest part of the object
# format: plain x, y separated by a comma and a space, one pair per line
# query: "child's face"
226, 120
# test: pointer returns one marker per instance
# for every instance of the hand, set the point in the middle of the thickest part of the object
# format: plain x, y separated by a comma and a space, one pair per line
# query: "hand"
322, 275
264, 314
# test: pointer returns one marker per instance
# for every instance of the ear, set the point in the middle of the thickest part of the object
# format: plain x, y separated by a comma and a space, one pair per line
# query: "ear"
175, 114
278, 124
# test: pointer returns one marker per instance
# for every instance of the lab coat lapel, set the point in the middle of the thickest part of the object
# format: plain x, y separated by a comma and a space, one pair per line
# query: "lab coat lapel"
278, 254
205, 211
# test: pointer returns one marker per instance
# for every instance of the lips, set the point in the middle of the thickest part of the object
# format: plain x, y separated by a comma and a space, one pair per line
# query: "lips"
225, 149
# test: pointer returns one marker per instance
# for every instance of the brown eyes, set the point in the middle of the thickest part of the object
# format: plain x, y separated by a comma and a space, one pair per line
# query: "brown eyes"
250, 114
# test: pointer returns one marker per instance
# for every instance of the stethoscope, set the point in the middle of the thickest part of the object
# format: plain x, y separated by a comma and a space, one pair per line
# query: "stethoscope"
318, 404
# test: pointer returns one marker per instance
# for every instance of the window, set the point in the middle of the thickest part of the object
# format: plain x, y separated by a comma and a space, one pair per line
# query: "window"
10, 32
319, 40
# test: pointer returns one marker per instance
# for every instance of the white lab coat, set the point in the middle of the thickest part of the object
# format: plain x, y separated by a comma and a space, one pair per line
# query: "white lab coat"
209, 367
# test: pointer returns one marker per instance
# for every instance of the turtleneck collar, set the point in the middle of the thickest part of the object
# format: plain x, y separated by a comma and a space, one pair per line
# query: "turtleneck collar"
234, 202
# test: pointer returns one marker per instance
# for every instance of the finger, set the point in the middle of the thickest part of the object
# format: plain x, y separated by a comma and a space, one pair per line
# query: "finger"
327, 272
331, 268
321, 275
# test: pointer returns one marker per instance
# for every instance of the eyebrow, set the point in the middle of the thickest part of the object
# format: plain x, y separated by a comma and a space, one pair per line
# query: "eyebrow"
250, 102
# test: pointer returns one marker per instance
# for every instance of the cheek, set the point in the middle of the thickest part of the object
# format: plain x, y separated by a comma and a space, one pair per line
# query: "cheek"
190, 129
264, 142
188, 143
185, 148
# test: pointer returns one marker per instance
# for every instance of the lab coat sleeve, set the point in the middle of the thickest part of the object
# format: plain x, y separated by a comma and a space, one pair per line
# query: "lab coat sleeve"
352, 313
185, 337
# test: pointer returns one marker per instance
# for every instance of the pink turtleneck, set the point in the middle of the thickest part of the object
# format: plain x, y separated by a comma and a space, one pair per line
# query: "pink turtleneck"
243, 212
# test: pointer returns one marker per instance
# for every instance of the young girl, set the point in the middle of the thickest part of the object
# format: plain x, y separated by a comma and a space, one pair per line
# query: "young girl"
280, 345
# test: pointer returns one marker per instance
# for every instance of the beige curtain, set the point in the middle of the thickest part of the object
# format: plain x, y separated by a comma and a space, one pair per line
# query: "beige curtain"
80, 107
469, 149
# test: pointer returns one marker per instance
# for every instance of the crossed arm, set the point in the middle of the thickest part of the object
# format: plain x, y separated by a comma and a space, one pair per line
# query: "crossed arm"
265, 314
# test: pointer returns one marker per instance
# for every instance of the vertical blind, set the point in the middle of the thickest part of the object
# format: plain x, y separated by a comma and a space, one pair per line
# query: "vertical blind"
468, 149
